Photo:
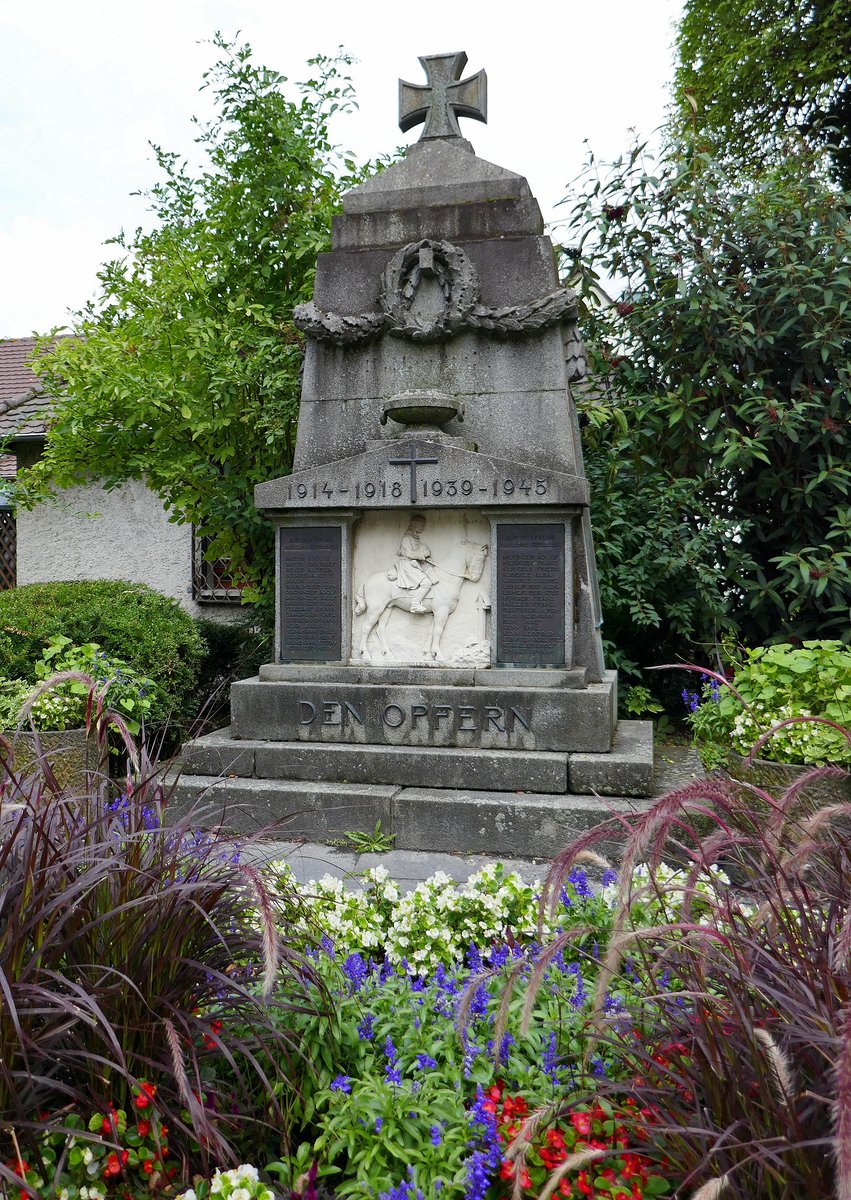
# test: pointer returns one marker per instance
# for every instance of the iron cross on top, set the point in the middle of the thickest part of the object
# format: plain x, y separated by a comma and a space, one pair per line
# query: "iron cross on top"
445, 97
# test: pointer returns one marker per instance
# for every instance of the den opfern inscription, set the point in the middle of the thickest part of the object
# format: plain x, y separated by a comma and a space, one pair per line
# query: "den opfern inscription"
530, 589
433, 719
311, 594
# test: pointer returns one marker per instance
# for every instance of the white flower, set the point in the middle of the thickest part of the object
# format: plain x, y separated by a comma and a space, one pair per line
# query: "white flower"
88, 1155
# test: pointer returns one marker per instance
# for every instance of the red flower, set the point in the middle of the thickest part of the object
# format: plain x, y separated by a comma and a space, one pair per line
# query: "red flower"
147, 1091
148, 1166
114, 1163
143, 1128
581, 1122
582, 1183
210, 1042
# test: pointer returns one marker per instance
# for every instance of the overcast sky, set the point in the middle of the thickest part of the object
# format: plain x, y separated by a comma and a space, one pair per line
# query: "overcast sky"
86, 84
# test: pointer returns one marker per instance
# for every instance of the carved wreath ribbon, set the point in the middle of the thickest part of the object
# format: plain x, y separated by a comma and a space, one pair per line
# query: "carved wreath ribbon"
455, 276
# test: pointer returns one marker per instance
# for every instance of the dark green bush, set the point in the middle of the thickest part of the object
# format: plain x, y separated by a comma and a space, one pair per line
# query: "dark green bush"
149, 631
235, 650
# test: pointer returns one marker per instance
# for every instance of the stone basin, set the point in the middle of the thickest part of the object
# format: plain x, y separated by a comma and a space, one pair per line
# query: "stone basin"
422, 408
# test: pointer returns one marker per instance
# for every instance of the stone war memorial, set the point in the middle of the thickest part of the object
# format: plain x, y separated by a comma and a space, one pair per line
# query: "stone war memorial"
438, 662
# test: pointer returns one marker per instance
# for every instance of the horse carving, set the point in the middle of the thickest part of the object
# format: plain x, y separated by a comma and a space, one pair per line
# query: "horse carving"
378, 596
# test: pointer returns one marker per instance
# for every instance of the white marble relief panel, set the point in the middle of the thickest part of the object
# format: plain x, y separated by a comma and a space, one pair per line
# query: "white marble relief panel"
421, 582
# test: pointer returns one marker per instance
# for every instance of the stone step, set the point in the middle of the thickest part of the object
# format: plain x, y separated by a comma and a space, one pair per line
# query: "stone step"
318, 811
504, 823
449, 820
405, 766
626, 771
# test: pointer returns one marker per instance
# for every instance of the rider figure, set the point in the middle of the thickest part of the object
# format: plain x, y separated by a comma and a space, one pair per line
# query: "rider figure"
412, 571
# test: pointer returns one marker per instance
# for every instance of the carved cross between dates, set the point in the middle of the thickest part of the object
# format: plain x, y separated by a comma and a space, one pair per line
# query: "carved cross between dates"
444, 98
412, 463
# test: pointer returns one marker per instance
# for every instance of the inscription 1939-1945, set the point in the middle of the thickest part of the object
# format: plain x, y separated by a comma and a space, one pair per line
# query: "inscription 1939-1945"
530, 590
311, 594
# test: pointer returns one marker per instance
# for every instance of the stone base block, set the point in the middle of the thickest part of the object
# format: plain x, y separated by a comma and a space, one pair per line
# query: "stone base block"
626, 771
447, 820
488, 718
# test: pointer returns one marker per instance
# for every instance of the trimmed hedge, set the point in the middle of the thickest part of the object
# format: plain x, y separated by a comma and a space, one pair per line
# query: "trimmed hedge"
151, 632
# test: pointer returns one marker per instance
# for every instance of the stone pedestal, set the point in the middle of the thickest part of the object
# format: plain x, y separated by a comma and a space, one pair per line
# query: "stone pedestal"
438, 612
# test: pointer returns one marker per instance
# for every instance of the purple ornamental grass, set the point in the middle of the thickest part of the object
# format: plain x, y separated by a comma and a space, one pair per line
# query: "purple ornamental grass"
119, 932
744, 1053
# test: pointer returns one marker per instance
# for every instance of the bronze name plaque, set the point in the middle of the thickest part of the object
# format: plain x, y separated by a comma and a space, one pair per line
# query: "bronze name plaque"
311, 594
530, 594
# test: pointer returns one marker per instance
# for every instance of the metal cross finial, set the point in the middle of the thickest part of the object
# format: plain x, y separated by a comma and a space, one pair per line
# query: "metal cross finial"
444, 98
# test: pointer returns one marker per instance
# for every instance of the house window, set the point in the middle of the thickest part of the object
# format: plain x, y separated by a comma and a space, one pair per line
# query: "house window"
8, 549
211, 580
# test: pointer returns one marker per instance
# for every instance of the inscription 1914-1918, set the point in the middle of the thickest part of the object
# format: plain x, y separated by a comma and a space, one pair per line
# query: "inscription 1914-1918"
530, 590
311, 594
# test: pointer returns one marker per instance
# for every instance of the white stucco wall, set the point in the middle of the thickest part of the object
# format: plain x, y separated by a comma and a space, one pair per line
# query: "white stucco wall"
89, 533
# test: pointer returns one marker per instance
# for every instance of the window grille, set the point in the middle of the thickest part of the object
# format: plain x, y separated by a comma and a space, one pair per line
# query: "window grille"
8, 550
211, 581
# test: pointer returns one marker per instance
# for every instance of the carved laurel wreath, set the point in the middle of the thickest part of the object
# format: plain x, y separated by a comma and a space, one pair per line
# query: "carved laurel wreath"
456, 278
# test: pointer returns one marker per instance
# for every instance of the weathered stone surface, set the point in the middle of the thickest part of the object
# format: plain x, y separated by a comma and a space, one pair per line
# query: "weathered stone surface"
498, 718
219, 754
626, 771
515, 770
296, 809
344, 429
462, 223
445, 477
485, 677
530, 826
508, 271
436, 173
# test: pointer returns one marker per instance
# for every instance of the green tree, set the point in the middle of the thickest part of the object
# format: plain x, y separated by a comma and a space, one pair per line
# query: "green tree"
184, 370
718, 416
752, 72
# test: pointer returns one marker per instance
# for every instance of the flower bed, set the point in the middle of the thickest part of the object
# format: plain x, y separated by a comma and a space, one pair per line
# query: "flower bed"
652, 1034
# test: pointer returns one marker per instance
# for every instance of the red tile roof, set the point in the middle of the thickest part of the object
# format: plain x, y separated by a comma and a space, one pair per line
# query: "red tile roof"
15, 376
22, 396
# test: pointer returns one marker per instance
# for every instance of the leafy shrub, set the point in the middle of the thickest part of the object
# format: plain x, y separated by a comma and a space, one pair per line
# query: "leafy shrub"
235, 650
746, 1063
128, 621
63, 705
774, 685
134, 1155
721, 380
133, 949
